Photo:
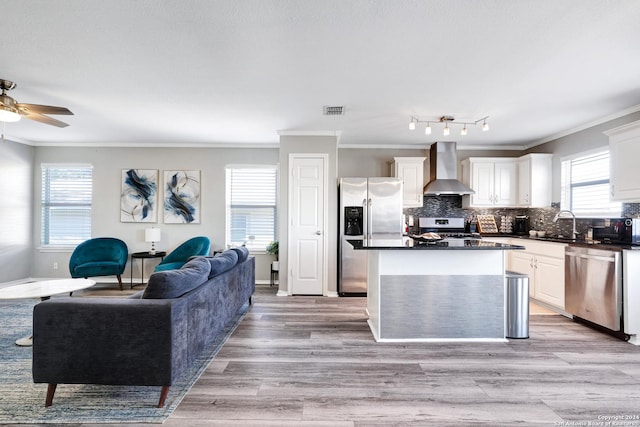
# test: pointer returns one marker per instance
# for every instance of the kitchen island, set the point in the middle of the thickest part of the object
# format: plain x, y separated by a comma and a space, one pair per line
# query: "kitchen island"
451, 290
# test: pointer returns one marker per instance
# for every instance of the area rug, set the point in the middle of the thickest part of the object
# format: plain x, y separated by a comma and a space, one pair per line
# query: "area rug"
22, 401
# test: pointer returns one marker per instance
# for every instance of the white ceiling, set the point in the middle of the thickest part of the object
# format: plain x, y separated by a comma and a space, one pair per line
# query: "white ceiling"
236, 72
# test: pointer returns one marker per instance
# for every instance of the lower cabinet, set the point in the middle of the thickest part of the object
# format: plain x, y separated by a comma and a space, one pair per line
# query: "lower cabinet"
546, 272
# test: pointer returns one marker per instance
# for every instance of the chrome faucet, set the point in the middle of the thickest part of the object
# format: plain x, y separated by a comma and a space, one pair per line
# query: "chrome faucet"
574, 233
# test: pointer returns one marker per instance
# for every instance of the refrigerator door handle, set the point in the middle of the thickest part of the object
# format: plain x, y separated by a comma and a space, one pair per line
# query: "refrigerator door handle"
365, 225
370, 220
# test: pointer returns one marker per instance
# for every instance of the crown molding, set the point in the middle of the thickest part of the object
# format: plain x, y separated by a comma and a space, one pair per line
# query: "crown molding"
622, 113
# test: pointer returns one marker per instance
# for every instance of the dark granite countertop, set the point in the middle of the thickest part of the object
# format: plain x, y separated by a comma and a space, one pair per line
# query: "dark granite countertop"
407, 243
573, 242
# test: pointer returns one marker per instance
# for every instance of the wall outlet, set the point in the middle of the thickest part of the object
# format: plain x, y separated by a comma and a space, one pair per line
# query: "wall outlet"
55, 265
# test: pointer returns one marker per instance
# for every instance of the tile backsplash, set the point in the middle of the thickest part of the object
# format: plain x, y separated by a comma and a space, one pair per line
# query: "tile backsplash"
539, 218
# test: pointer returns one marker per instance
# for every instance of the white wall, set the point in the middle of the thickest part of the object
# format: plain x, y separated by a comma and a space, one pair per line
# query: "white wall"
16, 210
108, 164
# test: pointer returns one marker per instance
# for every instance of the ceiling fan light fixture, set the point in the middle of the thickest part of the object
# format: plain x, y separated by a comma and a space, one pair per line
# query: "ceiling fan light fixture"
9, 114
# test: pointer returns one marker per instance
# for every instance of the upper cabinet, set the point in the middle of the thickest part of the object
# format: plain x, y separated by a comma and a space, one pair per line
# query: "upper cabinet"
494, 181
411, 170
534, 180
508, 181
624, 149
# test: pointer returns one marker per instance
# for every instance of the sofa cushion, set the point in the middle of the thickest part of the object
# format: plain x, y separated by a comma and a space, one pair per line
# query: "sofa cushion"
243, 253
175, 283
222, 262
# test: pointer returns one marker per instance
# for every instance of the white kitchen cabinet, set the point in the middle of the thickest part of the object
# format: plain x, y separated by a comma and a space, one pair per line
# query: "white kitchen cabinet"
544, 264
411, 170
534, 180
624, 149
494, 181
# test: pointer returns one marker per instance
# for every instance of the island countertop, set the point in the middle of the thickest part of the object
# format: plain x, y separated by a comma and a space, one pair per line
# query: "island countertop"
407, 243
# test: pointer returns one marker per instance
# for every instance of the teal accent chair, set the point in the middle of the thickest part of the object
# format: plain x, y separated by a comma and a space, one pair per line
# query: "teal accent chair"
102, 256
196, 246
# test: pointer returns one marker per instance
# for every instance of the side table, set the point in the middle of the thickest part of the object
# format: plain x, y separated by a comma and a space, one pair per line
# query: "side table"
275, 273
142, 256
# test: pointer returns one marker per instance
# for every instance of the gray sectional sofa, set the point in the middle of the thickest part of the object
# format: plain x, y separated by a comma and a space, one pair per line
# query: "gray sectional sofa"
148, 339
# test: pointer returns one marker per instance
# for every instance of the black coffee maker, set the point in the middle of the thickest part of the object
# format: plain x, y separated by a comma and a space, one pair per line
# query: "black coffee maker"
521, 225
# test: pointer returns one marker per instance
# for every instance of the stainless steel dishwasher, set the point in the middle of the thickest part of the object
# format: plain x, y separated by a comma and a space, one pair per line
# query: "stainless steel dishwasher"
593, 285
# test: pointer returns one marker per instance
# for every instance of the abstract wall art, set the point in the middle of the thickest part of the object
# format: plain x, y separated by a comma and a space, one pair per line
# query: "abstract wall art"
139, 196
181, 197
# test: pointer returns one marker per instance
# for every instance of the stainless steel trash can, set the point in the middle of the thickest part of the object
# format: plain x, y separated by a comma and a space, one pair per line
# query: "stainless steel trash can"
517, 290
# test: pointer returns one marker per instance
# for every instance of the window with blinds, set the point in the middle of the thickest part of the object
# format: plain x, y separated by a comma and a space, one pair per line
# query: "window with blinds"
585, 186
66, 204
251, 206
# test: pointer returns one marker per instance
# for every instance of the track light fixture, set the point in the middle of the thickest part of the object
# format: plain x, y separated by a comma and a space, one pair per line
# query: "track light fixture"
447, 120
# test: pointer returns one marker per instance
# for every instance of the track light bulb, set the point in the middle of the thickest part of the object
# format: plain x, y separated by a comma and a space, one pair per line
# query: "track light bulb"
412, 125
446, 131
427, 130
485, 126
463, 132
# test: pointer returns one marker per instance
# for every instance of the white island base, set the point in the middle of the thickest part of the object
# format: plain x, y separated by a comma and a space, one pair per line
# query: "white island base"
436, 295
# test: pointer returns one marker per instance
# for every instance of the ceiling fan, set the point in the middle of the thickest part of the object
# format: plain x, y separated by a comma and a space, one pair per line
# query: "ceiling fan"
11, 111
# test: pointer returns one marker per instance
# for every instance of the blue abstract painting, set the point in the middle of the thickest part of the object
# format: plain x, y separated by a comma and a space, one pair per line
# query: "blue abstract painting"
182, 197
139, 196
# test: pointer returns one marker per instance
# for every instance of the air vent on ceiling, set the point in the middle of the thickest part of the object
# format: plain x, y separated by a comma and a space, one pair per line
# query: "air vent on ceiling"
333, 110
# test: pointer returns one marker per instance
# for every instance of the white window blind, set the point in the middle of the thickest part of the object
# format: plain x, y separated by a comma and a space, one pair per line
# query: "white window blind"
66, 204
585, 186
251, 206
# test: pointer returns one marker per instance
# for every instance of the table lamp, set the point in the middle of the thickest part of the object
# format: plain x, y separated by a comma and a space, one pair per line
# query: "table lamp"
152, 235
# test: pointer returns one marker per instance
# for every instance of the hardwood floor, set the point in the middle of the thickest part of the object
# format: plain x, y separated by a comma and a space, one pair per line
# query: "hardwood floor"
311, 361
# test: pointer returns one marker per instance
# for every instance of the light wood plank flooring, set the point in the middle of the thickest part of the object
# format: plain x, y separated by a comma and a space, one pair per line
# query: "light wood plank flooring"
311, 361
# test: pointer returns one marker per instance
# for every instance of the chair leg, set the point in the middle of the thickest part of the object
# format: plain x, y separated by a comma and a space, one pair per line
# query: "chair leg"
51, 389
119, 281
163, 396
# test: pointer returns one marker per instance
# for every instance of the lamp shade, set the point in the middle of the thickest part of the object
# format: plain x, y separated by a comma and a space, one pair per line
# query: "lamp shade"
152, 235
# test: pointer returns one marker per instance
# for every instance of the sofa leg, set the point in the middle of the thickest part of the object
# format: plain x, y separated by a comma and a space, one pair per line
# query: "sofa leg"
250, 301
119, 281
51, 389
163, 396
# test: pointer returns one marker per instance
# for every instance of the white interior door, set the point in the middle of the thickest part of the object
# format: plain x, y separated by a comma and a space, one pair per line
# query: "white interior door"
307, 239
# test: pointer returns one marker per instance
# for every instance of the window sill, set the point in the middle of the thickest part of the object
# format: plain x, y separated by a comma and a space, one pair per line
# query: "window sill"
58, 249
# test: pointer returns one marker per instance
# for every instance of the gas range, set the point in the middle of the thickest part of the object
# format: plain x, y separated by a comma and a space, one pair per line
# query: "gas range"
447, 228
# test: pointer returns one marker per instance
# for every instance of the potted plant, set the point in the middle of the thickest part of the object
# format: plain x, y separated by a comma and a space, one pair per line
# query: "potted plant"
273, 249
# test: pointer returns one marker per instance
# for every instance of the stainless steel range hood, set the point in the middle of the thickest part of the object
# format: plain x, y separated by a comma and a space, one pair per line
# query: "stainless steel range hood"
443, 160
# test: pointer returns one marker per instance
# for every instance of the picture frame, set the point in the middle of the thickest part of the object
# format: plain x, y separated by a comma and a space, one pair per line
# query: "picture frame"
182, 197
139, 195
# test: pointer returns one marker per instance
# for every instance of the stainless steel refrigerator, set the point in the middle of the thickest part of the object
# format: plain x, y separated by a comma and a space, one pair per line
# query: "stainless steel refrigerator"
370, 208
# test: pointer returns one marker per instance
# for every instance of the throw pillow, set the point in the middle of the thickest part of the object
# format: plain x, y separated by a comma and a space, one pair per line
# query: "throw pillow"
243, 253
175, 283
222, 262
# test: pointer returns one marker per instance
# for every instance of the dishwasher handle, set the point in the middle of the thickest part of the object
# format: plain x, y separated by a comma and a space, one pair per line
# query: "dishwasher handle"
594, 257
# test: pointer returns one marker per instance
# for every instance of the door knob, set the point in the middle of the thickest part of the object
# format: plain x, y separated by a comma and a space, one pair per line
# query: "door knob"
318, 232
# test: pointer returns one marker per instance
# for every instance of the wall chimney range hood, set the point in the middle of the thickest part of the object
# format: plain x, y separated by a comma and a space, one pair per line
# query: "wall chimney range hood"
443, 171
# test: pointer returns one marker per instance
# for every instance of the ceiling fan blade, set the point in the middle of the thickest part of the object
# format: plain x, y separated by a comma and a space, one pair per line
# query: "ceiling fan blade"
44, 109
43, 119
